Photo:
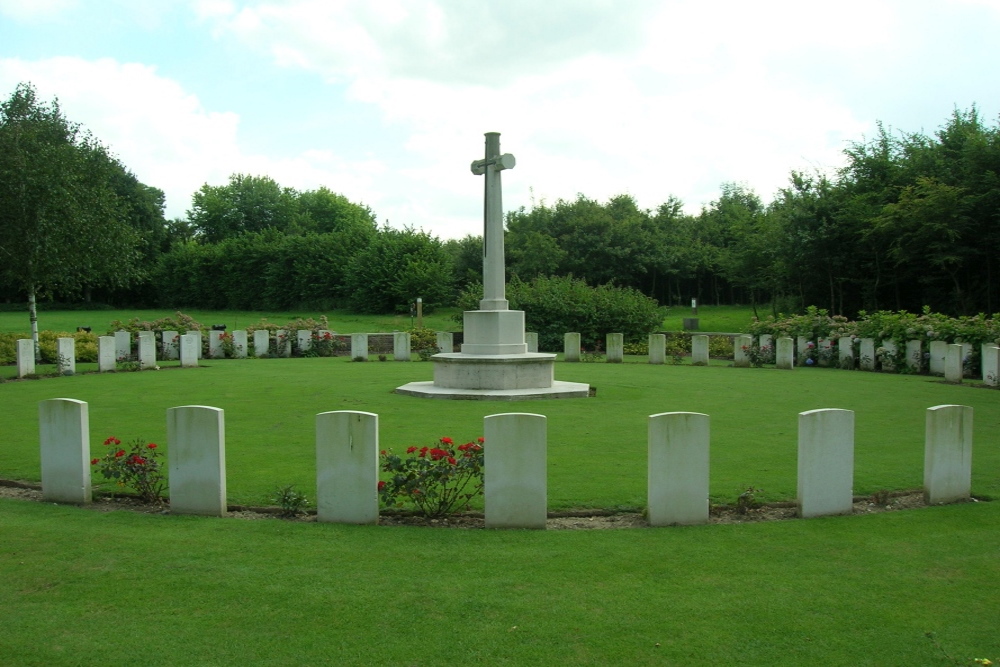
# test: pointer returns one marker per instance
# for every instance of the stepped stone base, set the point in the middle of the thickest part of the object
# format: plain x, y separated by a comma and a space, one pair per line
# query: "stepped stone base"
511, 377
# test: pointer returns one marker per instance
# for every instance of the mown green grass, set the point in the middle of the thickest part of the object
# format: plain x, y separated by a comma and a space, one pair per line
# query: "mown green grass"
596, 447
340, 321
82, 587
728, 319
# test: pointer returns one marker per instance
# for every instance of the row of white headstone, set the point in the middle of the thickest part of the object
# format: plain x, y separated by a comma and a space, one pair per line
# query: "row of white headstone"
111, 350
347, 451
943, 358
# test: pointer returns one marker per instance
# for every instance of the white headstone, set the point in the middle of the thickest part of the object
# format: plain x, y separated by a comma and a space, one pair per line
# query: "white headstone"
531, 340
677, 470
699, 350
938, 351
826, 462
304, 340
400, 345
25, 357
347, 467
889, 358
824, 351
215, 348
445, 341
767, 346
784, 353
171, 345
147, 349
106, 354
657, 348
991, 365
948, 454
64, 435
845, 353
515, 476
867, 359
190, 344
261, 342
123, 345
196, 438
359, 346
283, 343
66, 349
240, 343
615, 347
802, 349
914, 355
953, 369
571, 347
741, 351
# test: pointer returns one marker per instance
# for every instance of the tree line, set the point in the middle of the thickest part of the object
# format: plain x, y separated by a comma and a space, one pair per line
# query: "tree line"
910, 220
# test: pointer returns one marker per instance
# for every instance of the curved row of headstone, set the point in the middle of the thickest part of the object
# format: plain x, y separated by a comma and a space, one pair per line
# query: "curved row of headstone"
943, 359
347, 450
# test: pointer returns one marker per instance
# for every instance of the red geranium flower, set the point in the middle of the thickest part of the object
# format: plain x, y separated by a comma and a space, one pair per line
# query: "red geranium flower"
94, 462
480, 440
410, 450
120, 453
447, 441
112, 441
381, 484
151, 445
451, 460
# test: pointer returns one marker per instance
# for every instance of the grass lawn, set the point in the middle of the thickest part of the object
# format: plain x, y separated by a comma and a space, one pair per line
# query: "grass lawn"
86, 588
596, 449
83, 587
340, 321
728, 319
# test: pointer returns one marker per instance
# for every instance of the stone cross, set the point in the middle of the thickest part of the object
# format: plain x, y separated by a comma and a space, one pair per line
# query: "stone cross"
494, 297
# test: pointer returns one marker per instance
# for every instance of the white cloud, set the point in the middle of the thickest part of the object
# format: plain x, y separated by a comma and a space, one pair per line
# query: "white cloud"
35, 10
164, 134
596, 98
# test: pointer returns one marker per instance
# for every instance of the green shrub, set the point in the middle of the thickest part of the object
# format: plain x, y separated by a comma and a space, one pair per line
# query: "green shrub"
554, 306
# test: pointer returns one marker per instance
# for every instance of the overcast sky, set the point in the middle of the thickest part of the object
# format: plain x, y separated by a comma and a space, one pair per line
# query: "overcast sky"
386, 101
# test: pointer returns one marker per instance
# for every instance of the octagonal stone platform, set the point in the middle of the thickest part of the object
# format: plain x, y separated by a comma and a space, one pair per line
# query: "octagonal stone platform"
513, 377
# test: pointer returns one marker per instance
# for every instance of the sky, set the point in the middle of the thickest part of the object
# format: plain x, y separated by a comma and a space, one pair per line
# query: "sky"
387, 101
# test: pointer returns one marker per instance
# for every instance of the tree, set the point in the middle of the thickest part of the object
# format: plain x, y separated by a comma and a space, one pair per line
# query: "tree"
62, 227
246, 204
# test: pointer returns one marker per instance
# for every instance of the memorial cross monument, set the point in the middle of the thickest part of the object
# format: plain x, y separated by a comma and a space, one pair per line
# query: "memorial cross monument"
494, 362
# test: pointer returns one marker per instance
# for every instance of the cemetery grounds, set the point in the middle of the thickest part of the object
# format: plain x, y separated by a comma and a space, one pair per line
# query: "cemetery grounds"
899, 587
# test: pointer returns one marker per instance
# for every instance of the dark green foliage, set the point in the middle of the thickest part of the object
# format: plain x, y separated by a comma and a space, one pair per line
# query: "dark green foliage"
554, 306
260, 271
398, 266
